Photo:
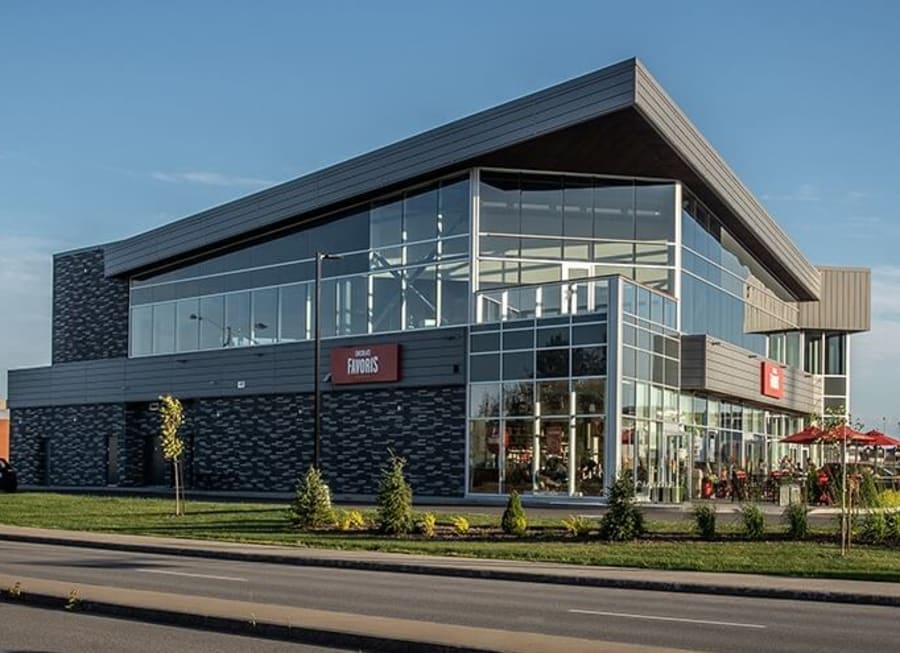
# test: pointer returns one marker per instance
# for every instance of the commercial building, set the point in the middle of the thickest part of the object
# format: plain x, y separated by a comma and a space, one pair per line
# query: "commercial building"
567, 287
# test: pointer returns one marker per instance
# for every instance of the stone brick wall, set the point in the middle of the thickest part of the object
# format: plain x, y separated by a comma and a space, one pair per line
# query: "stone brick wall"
258, 443
78, 443
90, 311
426, 426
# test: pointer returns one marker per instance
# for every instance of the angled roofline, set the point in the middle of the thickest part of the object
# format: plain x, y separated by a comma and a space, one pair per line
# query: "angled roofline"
661, 112
456, 145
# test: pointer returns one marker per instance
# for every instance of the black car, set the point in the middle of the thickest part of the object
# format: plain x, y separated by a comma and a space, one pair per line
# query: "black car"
8, 480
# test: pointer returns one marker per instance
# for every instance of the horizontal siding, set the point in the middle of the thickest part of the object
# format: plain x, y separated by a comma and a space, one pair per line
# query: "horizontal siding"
845, 304
427, 359
440, 149
680, 133
732, 371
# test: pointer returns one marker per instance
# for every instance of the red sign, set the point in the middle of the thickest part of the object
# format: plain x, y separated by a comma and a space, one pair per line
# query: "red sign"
365, 364
772, 380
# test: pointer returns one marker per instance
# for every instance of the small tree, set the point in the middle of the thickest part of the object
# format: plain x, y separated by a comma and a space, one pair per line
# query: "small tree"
705, 521
311, 507
172, 415
394, 498
623, 520
513, 521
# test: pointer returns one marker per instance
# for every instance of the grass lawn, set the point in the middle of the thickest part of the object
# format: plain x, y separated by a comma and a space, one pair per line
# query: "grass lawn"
669, 546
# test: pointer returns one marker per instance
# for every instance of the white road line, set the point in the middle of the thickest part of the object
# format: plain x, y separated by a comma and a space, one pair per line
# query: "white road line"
679, 619
184, 573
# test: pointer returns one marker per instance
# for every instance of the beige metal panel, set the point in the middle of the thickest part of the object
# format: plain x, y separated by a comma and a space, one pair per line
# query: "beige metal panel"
845, 303
696, 151
731, 371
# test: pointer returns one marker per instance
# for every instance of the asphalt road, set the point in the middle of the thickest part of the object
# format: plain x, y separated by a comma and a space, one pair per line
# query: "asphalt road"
34, 630
693, 622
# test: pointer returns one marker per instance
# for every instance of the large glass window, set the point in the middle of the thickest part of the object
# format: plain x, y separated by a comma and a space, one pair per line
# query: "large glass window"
614, 226
402, 264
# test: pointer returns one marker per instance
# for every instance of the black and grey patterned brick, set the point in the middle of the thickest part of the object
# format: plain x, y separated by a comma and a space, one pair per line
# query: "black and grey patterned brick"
259, 443
90, 311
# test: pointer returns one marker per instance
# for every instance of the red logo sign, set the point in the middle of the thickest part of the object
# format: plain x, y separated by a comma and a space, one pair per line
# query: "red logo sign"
772, 380
365, 364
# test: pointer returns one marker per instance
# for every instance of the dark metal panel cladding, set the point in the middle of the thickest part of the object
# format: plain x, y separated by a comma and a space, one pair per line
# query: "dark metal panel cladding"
439, 149
434, 357
785, 259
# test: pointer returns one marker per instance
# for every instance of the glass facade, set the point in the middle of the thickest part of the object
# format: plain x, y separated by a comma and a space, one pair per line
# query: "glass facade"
653, 446
547, 228
404, 264
724, 291
540, 381
575, 306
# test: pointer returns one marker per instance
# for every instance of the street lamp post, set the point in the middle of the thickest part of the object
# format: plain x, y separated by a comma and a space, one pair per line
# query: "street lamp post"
317, 335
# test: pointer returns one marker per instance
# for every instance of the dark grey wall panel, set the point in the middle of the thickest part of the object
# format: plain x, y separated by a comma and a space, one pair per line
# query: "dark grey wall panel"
732, 371
435, 357
672, 124
90, 311
438, 150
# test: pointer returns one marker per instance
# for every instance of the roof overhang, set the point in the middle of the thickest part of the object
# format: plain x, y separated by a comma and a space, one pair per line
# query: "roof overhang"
617, 120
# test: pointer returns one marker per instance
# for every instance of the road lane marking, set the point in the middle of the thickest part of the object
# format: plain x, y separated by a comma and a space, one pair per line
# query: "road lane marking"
658, 618
189, 575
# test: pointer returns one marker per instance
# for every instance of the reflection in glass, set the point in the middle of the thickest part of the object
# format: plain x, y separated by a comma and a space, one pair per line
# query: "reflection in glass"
211, 319
265, 316
552, 458
553, 397
293, 312
141, 330
187, 326
590, 396
484, 448
484, 400
519, 454
589, 444
518, 399
237, 319
164, 328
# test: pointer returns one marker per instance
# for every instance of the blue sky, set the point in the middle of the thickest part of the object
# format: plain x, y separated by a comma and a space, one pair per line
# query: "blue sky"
119, 116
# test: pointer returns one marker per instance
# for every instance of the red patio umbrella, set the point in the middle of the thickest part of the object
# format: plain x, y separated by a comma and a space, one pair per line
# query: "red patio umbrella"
844, 433
809, 435
879, 439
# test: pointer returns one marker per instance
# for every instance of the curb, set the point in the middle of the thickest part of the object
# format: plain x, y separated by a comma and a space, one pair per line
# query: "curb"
297, 634
857, 598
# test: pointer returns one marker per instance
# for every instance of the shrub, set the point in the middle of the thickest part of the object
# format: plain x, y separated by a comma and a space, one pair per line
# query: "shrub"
874, 528
868, 493
460, 524
311, 507
893, 527
513, 521
394, 499
576, 525
797, 517
889, 499
350, 519
753, 521
623, 520
427, 523
705, 521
